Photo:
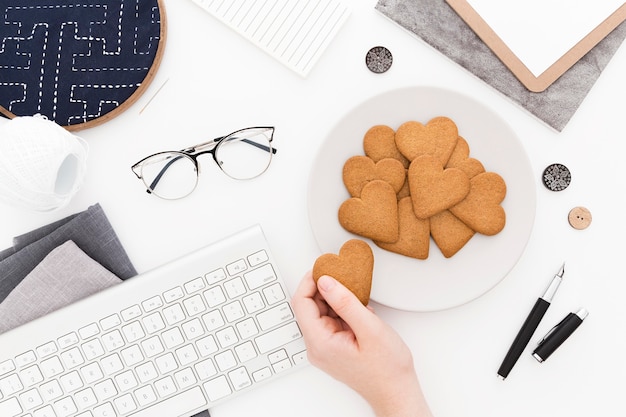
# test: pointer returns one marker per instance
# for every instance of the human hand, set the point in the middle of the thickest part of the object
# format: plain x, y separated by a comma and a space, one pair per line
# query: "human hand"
349, 342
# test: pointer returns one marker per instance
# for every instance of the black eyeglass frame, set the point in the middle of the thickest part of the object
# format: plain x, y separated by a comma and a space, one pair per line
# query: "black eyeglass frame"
193, 152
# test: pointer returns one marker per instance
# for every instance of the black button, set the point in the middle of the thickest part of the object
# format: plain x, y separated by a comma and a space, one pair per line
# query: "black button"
378, 59
556, 177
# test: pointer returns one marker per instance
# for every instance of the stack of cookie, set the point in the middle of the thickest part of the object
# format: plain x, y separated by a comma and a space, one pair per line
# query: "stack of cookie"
418, 182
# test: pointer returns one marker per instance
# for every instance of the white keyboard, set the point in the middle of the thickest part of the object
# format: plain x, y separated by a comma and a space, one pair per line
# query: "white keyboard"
168, 343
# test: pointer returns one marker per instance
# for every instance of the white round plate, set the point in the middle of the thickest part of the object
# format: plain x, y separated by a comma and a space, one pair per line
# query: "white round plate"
435, 283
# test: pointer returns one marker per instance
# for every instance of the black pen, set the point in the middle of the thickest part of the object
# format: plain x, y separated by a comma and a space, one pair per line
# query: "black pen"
530, 325
559, 334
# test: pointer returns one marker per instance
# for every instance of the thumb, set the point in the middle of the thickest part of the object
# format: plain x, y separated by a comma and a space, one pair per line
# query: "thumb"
344, 303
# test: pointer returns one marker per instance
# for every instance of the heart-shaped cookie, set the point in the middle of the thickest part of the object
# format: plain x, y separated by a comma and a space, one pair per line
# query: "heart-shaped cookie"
481, 209
414, 234
359, 170
434, 189
460, 159
438, 138
379, 143
373, 215
449, 233
353, 267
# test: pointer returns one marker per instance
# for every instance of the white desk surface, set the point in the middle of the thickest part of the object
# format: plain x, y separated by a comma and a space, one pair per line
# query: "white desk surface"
219, 82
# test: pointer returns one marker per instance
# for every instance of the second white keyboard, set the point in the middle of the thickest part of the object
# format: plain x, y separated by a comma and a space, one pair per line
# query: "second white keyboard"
171, 342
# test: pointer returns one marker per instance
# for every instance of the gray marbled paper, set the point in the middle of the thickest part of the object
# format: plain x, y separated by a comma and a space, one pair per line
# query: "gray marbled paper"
437, 23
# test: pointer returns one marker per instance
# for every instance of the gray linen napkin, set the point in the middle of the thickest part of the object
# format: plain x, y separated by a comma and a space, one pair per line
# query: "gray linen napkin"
66, 275
438, 24
90, 230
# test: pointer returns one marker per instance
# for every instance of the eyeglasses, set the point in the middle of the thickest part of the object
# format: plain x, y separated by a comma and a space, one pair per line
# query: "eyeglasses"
242, 155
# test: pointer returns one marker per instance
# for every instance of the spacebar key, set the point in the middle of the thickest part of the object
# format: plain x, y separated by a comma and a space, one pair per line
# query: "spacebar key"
178, 405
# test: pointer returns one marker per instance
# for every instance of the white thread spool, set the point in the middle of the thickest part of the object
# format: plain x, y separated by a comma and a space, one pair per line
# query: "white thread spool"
42, 165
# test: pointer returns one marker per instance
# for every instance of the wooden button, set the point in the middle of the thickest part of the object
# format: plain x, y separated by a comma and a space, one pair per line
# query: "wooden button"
579, 218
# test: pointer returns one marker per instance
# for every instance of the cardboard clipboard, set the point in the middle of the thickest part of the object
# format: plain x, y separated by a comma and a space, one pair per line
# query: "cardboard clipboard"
515, 65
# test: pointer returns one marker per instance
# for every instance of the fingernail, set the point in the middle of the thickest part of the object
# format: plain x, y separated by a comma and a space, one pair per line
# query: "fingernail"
326, 283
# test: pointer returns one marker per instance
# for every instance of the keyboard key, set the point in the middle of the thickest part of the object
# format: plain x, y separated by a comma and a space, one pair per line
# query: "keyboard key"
194, 285
146, 372
152, 346
126, 380
172, 338
186, 355
217, 388
88, 331
174, 314
132, 355
214, 296
185, 378
92, 349
51, 390
65, 407
206, 346
216, 276
133, 332
71, 382
274, 316
153, 323
258, 258
240, 378
262, 374
51, 367
104, 410
85, 398
91, 373
274, 294
72, 358
6, 367
113, 340
225, 360
227, 337
110, 322
131, 313
253, 302
125, 404
234, 288
25, 358
10, 408
233, 311
247, 328
111, 364
193, 329
30, 399
46, 411
43, 351
152, 304
236, 267
166, 363
105, 390
180, 404
260, 276
194, 305
245, 352
145, 395
165, 387
205, 369
213, 320
31, 376
174, 294
278, 337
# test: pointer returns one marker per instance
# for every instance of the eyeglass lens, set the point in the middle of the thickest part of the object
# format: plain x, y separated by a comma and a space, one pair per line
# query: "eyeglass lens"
245, 154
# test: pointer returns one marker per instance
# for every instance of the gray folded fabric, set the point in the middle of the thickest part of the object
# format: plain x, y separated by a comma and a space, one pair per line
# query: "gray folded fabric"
66, 275
440, 26
91, 232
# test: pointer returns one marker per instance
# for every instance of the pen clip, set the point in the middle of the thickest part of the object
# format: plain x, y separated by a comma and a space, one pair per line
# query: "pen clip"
552, 330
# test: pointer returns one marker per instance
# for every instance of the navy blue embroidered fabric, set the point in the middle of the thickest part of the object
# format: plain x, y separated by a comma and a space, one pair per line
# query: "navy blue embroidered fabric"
75, 61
